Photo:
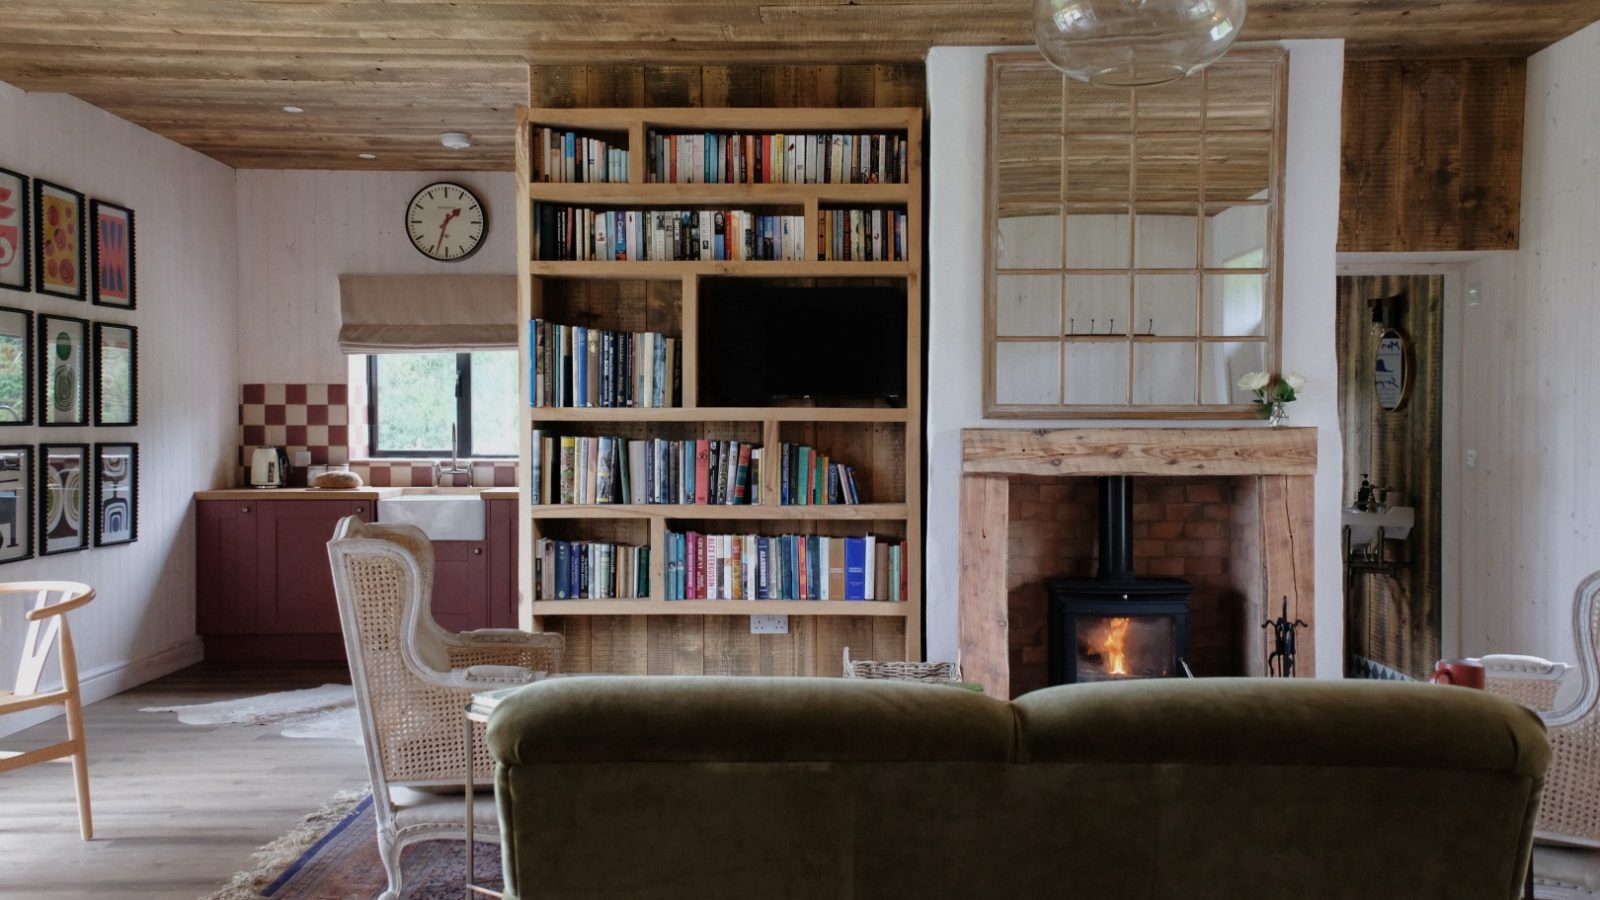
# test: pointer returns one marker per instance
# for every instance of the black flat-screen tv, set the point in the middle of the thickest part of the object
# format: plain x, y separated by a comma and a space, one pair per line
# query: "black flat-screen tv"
765, 345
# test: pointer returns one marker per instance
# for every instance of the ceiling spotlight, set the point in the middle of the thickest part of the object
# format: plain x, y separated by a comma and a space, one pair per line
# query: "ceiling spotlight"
293, 109
367, 155
455, 140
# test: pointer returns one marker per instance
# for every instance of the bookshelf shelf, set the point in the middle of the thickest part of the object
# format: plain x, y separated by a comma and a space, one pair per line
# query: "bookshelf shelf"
862, 512
883, 444
721, 608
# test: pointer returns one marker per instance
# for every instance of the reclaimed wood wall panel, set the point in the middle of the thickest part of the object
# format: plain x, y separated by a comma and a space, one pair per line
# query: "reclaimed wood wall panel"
1432, 155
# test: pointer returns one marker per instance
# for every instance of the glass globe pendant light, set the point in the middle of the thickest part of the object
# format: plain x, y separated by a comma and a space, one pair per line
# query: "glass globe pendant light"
1128, 43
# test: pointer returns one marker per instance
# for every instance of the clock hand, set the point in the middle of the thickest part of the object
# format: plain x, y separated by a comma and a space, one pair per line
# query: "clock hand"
443, 225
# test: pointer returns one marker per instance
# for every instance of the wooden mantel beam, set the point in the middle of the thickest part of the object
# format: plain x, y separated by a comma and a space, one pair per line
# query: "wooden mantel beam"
1139, 451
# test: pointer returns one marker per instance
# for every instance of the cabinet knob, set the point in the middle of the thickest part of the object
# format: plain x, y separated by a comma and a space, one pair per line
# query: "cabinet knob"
244, 509
361, 510
477, 551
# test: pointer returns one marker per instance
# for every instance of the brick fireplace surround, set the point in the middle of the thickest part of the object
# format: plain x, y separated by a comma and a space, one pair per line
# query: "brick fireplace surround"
1229, 509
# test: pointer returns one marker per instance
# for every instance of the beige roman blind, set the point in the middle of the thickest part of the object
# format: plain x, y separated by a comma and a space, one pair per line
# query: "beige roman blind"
411, 313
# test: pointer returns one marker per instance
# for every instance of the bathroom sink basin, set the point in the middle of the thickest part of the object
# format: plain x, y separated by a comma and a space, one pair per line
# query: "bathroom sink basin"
1396, 522
452, 516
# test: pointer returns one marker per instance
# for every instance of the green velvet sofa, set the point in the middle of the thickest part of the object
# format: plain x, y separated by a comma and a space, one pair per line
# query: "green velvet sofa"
822, 789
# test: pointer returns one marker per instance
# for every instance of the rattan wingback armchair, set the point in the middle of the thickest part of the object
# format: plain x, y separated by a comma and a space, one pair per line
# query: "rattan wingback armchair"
413, 681
1567, 863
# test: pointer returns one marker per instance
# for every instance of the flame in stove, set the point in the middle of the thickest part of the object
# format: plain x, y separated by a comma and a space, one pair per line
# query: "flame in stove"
1114, 651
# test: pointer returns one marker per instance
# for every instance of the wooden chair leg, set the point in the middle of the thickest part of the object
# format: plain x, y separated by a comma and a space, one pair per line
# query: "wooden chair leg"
80, 747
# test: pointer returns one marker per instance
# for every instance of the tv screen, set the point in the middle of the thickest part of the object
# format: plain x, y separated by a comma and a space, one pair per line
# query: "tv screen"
763, 345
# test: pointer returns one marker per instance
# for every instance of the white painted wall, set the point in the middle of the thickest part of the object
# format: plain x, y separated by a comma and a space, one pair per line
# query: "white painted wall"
1530, 370
955, 323
298, 231
142, 623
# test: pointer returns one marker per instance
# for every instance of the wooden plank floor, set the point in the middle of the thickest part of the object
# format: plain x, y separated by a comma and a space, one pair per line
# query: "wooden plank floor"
177, 808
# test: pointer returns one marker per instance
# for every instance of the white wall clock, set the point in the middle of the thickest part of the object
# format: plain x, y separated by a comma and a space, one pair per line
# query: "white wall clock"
447, 222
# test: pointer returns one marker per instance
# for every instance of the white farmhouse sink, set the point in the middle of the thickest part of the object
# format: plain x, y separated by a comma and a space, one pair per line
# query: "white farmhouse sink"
1396, 522
442, 516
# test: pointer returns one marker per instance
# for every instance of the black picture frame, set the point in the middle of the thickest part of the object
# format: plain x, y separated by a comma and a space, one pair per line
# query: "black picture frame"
16, 513
10, 414
97, 237
68, 497
131, 389
116, 514
50, 370
24, 236
40, 224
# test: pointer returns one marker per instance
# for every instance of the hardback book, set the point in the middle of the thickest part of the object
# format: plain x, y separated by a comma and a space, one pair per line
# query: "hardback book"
881, 573
836, 569
855, 568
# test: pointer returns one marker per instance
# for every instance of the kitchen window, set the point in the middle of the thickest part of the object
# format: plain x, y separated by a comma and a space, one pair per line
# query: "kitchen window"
415, 398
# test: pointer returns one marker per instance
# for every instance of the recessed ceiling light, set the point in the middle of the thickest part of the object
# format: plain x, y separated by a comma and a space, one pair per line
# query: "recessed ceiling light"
367, 155
455, 140
293, 109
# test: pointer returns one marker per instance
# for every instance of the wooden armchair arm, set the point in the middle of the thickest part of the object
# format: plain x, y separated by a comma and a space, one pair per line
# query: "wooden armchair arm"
76, 594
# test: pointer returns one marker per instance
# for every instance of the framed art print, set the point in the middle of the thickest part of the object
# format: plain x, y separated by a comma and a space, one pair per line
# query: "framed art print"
16, 366
14, 272
63, 370
63, 498
111, 240
116, 494
116, 374
58, 240
16, 504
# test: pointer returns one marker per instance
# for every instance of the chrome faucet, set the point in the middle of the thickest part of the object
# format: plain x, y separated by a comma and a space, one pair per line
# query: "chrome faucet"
440, 470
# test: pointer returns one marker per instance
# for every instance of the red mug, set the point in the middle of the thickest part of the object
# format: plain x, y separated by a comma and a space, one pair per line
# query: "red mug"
1459, 672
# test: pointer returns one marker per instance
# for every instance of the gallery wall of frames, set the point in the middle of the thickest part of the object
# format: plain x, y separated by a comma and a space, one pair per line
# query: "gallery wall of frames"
60, 370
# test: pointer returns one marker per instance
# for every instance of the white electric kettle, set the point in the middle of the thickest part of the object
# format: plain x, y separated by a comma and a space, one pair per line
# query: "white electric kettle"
269, 467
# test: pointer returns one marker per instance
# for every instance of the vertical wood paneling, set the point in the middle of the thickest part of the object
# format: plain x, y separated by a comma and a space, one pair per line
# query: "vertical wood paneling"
985, 627
142, 623
1395, 620
1432, 155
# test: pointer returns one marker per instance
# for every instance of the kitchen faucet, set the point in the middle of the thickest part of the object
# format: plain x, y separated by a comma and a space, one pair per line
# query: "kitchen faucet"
440, 470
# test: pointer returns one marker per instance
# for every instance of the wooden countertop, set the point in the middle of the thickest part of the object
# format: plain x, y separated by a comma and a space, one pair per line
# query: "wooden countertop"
362, 493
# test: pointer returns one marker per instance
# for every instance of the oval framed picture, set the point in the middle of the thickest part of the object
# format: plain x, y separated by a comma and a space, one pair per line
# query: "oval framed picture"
1391, 370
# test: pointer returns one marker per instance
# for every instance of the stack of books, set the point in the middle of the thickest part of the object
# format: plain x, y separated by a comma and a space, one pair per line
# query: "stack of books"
569, 157
737, 158
861, 235
784, 567
808, 478
571, 365
577, 233
589, 570
588, 470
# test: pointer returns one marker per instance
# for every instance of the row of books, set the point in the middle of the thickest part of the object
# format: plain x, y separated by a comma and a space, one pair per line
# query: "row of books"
863, 235
576, 233
784, 567
572, 365
586, 470
569, 157
809, 478
591, 570
738, 158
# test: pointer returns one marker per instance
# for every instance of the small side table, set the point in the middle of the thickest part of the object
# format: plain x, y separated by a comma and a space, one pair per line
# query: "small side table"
477, 713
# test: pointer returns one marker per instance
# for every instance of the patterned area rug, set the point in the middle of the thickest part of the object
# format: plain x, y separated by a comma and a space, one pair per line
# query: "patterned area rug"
333, 855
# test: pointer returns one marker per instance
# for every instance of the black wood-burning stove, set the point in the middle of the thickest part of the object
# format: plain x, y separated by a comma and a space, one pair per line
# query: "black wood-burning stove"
1117, 625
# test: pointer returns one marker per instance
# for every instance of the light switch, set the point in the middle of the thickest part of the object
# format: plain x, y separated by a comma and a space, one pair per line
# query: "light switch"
1474, 293
1472, 459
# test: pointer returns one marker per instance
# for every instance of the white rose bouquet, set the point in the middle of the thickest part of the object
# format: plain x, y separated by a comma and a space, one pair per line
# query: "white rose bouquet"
1273, 393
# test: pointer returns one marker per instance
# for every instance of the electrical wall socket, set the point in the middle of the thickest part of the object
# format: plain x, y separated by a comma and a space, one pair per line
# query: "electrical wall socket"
769, 624
1472, 459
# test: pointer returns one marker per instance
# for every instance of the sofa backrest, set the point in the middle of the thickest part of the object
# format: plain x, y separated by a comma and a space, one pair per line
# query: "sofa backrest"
705, 788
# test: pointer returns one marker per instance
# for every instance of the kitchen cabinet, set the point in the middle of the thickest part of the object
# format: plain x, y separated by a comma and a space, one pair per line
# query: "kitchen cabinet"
265, 591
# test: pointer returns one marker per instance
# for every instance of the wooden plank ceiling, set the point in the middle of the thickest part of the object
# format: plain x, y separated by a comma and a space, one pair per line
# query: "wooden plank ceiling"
388, 76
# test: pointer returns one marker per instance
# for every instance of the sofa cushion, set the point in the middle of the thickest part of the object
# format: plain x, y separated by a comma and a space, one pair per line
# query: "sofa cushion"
1247, 722
712, 719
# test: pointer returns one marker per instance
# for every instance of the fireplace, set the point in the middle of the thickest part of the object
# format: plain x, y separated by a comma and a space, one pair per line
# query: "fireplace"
1117, 625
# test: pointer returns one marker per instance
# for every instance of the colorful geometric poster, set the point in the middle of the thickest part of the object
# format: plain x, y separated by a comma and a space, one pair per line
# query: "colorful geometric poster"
58, 220
116, 493
14, 272
63, 370
65, 489
112, 233
16, 503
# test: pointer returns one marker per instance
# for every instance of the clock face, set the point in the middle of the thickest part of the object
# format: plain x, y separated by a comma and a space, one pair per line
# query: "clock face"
446, 222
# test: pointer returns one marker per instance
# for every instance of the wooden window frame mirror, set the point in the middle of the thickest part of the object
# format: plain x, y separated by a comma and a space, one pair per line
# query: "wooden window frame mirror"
1179, 364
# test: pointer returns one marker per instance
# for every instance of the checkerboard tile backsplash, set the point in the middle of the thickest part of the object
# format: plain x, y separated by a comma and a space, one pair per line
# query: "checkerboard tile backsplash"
317, 418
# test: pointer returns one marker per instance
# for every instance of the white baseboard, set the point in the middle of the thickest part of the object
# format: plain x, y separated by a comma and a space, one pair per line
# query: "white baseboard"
110, 680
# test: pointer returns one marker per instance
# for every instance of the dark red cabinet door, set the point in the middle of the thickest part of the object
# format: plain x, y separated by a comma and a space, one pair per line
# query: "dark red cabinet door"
501, 530
296, 581
461, 585
225, 566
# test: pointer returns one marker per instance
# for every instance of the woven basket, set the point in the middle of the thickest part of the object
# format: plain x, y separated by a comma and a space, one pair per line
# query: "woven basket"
928, 672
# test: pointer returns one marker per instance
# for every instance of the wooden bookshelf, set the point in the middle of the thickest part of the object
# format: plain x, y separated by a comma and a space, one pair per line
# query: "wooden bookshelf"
669, 301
